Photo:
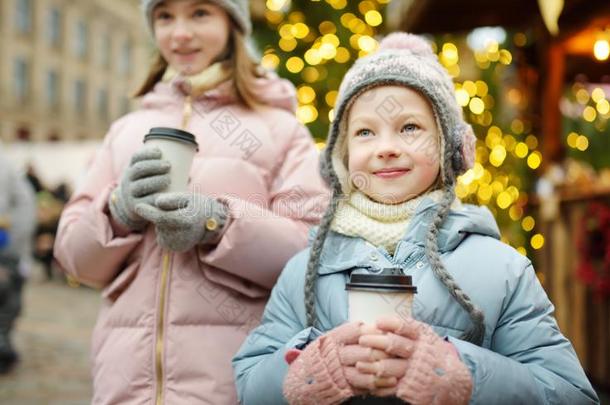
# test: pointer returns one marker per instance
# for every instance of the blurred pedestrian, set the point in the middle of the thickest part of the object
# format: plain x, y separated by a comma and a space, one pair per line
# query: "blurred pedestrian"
186, 275
17, 225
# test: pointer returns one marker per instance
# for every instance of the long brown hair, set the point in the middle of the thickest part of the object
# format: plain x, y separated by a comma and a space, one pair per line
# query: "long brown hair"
245, 71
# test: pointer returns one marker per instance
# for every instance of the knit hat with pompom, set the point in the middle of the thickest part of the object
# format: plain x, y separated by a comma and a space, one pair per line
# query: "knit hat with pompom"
401, 60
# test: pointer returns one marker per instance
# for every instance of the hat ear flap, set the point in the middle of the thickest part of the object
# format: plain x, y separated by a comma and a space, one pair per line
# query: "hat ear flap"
466, 146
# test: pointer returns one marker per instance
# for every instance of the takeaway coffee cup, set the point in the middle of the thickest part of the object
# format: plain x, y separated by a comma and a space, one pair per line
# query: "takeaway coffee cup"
373, 295
179, 148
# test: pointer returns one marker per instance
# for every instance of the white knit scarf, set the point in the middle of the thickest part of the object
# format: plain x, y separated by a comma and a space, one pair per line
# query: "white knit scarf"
380, 224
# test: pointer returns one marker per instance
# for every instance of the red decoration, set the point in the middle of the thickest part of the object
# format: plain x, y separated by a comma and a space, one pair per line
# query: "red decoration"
594, 249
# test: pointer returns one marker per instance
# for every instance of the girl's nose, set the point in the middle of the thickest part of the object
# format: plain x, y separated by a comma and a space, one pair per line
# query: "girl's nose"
388, 147
182, 31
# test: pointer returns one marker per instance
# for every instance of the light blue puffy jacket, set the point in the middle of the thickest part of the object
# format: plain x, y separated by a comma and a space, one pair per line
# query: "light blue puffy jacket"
524, 358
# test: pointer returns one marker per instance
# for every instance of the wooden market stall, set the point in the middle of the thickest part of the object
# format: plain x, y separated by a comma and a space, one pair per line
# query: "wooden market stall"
583, 313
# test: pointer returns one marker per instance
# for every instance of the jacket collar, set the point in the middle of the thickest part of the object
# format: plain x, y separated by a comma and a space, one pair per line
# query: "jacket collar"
341, 253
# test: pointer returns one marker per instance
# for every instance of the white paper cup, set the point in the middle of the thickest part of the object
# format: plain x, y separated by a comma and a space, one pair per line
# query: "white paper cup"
179, 148
371, 296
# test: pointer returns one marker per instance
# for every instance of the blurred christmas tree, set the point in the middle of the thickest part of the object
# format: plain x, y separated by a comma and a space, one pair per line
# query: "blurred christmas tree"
314, 42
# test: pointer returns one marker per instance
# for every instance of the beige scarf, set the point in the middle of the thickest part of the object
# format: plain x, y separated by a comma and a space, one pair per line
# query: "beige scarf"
201, 82
380, 224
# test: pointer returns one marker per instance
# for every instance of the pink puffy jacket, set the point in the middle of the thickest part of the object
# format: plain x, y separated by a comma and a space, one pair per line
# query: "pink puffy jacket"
170, 322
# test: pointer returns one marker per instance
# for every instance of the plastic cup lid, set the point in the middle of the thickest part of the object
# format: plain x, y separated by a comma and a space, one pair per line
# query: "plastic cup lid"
392, 282
171, 134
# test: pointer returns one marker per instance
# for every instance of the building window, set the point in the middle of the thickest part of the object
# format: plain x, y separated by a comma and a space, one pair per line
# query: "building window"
125, 58
102, 104
21, 76
54, 27
81, 39
105, 51
80, 97
23, 17
53, 90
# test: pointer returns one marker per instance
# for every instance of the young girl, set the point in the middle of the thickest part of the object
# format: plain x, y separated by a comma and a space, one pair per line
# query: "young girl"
482, 328
187, 275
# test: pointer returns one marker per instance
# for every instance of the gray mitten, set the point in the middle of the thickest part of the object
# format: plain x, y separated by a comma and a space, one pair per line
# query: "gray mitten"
141, 182
183, 220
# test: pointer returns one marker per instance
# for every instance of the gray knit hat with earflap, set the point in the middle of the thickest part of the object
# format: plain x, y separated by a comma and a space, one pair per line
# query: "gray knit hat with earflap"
238, 10
404, 60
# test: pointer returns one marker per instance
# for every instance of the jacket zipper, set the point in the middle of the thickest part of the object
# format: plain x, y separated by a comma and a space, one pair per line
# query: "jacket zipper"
165, 273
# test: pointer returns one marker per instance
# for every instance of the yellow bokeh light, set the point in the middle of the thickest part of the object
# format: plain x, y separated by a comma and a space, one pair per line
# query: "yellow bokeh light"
337, 4
310, 74
306, 94
534, 160
582, 96
476, 105
505, 57
353, 41
522, 250
357, 26
307, 114
520, 39
300, 30
601, 49
320, 145
346, 19
504, 200
470, 87
462, 97
515, 212
288, 45
468, 177
497, 187
482, 88
327, 27
449, 54
331, 39
509, 142
331, 98
497, 155
274, 17
582, 143
598, 94
461, 191
296, 16
366, 6
485, 193
367, 44
589, 113
295, 64
313, 57
528, 223
270, 61
531, 141
516, 126
331, 114
603, 107
285, 31
276, 5
572, 138
343, 55
537, 241
373, 18
327, 51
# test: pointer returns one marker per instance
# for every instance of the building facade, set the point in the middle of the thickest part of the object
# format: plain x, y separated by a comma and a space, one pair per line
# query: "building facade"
68, 67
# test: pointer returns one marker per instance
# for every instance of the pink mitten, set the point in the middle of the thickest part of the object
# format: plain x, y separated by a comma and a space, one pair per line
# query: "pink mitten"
325, 373
433, 371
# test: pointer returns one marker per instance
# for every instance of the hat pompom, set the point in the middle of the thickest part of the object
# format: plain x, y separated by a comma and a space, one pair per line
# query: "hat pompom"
405, 41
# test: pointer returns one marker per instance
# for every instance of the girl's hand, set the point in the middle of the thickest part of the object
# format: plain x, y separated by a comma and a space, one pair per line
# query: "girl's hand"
428, 368
325, 371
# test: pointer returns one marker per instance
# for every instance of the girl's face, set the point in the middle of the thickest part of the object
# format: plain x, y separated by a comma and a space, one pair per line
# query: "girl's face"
191, 34
392, 144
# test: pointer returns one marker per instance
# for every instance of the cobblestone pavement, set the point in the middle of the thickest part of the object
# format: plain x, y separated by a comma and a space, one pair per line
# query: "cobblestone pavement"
52, 338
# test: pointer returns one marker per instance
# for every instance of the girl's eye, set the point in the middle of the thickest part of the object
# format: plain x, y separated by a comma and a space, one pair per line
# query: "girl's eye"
364, 132
162, 15
201, 12
410, 128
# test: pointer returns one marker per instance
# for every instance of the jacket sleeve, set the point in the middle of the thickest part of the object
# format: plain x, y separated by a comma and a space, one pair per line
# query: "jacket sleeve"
529, 360
260, 240
259, 365
87, 245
